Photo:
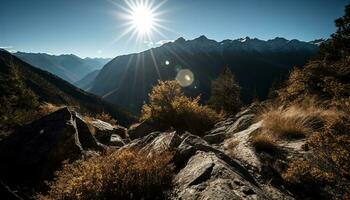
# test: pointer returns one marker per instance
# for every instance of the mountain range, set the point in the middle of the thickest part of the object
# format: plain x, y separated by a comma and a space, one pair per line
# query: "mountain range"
126, 80
68, 67
52, 89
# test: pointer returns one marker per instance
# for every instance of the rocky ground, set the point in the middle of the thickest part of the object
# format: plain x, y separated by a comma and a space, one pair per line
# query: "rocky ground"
221, 165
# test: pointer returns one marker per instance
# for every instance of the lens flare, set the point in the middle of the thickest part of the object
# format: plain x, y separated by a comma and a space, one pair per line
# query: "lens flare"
185, 77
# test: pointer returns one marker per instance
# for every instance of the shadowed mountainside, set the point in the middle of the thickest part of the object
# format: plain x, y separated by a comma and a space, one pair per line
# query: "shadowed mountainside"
127, 80
52, 89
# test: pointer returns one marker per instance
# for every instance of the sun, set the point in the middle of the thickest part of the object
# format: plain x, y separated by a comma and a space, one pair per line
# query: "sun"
143, 19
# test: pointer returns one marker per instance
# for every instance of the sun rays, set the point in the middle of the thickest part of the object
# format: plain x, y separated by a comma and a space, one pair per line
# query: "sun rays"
142, 19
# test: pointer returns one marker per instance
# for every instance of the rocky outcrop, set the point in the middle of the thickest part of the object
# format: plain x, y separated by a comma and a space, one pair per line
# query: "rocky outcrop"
221, 165
36, 150
208, 177
105, 132
239, 147
144, 128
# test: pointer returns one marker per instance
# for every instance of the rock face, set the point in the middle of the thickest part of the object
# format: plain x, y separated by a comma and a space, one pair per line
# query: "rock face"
36, 150
144, 128
104, 131
221, 165
204, 172
208, 177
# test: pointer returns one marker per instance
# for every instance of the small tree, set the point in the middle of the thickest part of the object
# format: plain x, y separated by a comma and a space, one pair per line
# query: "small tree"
225, 93
168, 105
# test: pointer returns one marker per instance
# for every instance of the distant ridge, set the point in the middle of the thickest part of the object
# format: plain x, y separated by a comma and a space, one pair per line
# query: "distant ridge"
67, 66
126, 80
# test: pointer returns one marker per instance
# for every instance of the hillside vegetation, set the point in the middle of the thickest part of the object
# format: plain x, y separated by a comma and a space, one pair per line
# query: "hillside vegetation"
28, 86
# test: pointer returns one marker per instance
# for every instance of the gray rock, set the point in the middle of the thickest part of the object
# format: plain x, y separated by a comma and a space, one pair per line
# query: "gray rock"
242, 149
104, 131
116, 140
206, 176
166, 141
243, 122
142, 129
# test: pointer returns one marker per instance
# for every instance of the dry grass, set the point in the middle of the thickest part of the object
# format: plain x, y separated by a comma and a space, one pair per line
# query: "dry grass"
106, 118
231, 148
327, 168
88, 120
296, 121
126, 174
47, 108
264, 143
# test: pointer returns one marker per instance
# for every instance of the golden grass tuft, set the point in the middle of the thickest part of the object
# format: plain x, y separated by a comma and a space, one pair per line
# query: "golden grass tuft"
106, 118
264, 143
296, 121
47, 108
125, 174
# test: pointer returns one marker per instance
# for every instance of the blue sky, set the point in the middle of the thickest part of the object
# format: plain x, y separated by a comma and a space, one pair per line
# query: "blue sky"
93, 27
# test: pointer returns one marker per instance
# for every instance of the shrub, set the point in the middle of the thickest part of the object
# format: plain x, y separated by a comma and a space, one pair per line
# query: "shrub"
302, 171
168, 105
225, 93
125, 174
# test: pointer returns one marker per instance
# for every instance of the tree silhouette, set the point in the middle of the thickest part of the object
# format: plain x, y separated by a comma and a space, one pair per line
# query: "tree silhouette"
225, 93
338, 46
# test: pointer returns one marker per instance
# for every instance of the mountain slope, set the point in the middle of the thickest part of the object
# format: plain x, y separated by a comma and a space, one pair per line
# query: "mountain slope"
68, 67
126, 80
50, 88
86, 82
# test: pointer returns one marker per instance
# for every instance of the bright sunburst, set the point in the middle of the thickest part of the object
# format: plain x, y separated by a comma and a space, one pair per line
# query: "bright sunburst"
142, 18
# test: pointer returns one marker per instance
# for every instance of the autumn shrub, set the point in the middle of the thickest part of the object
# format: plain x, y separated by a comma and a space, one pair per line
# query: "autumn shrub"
124, 174
168, 105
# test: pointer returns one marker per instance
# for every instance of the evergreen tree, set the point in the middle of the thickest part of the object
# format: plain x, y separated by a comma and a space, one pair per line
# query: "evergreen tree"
338, 46
225, 93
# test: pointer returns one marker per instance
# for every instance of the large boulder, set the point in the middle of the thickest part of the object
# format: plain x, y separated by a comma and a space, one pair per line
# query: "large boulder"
36, 150
206, 176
